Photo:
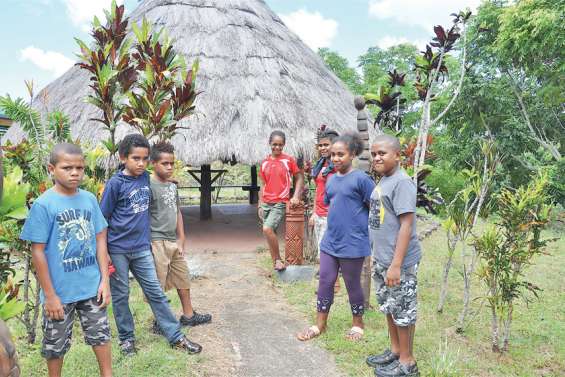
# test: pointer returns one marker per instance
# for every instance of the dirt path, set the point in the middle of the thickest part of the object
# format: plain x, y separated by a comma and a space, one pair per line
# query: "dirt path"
252, 334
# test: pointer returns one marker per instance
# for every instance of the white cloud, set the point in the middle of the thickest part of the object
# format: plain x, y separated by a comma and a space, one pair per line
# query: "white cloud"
315, 30
424, 13
51, 61
82, 12
389, 41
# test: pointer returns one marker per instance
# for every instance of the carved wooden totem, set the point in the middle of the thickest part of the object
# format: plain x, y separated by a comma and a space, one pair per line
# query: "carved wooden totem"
294, 236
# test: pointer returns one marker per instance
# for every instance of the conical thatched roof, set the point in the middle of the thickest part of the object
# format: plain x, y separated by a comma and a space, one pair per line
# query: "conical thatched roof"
256, 75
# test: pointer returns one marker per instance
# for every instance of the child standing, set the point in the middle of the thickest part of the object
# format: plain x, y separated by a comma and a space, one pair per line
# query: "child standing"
68, 241
322, 171
125, 204
167, 233
346, 241
276, 172
396, 253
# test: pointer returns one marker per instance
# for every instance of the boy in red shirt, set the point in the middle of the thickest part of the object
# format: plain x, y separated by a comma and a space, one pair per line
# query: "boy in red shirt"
276, 172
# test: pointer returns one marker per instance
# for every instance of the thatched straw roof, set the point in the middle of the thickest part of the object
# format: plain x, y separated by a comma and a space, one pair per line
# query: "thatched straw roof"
257, 76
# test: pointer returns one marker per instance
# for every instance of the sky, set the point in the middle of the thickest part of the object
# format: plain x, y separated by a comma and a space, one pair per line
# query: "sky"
38, 35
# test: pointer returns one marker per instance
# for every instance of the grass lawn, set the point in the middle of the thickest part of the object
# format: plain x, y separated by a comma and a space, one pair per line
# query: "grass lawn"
537, 345
154, 358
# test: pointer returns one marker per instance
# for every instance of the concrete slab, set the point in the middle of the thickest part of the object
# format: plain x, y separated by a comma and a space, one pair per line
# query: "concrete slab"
233, 228
296, 273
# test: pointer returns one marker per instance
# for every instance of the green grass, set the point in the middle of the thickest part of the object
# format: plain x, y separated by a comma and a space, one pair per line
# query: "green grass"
537, 345
154, 358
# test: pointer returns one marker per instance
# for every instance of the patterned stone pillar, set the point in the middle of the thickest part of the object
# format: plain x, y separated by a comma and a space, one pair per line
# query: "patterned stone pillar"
365, 165
294, 236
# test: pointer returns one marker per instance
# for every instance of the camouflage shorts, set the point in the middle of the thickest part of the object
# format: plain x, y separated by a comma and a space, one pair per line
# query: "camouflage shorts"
399, 301
57, 333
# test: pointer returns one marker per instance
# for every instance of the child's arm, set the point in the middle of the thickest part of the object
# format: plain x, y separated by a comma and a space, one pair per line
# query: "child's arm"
104, 296
52, 306
298, 186
402, 241
180, 232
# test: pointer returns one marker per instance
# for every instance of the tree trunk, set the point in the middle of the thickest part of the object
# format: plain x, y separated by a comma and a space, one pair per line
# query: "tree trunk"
35, 309
494, 328
507, 325
466, 293
444, 283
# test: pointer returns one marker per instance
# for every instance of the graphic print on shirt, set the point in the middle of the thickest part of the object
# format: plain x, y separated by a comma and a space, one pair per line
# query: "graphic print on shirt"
75, 239
377, 210
169, 197
138, 199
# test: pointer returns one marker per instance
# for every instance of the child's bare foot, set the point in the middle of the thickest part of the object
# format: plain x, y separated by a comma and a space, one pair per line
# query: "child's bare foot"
355, 334
309, 333
279, 265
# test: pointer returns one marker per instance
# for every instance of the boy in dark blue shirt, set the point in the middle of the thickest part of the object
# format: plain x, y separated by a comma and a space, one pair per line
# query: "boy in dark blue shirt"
68, 244
125, 204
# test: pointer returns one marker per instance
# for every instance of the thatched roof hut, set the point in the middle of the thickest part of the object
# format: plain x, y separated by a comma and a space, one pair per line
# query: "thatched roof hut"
256, 75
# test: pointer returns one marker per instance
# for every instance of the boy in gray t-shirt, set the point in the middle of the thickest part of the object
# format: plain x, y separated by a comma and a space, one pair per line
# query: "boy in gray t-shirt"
396, 254
167, 234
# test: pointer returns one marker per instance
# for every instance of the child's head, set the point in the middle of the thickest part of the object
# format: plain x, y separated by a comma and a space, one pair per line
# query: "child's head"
344, 149
385, 153
325, 139
66, 166
163, 160
134, 154
277, 140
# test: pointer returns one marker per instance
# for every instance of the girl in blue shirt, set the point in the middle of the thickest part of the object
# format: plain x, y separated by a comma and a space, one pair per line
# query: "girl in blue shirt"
346, 241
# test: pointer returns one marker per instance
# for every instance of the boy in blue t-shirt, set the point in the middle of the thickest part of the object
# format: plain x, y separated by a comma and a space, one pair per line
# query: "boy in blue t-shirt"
125, 204
68, 241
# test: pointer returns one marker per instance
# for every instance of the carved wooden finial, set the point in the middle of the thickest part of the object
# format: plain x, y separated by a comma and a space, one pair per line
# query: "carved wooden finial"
359, 103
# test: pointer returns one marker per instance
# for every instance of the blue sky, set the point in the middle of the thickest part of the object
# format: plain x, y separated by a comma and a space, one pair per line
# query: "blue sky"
37, 35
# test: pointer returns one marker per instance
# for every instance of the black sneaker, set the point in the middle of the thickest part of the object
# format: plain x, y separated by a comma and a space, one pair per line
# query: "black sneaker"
127, 347
400, 370
382, 359
195, 320
183, 344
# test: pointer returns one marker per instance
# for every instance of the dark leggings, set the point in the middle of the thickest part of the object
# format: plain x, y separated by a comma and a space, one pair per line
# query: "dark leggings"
351, 272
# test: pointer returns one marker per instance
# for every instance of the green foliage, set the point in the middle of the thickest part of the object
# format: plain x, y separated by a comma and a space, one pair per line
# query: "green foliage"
28, 118
340, 66
59, 127
448, 180
509, 247
13, 210
111, 74
164, 92
10, 306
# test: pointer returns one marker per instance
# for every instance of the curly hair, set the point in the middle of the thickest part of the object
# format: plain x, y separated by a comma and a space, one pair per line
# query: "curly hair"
132, 141
161, 147
352, 142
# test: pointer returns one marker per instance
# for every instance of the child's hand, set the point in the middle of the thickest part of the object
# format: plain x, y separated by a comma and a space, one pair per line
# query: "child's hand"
104, 296
53, 308
180, 247
294, 202
311, 221
393, 276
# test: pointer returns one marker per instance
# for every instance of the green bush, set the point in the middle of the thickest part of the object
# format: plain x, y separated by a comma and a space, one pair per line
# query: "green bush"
447, 180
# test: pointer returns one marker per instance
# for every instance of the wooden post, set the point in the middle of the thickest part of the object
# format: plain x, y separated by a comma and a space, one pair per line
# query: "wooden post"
294, 235
253, 191
205, 192
364, 164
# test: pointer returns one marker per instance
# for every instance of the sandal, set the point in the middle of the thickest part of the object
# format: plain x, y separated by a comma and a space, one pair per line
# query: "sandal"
355, 334
308, 334
279, 265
